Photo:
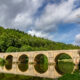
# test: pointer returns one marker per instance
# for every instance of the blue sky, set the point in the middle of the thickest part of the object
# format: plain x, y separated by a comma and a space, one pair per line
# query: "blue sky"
56, 20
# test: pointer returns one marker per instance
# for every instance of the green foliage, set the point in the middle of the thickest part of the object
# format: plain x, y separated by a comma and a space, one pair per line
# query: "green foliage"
2, 62
23, 67
23, 59
74, 76
20, 77
26, 48
41, 59
25, 42
63, 56
12, 49
41, 68
65, 67
64, 63
41, 65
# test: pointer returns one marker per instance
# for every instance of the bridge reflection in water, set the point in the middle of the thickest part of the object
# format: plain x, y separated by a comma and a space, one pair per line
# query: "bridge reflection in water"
29, 70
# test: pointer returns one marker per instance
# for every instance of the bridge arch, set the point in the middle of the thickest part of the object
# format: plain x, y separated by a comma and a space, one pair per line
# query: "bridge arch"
62, 56
9, 58
23, 58
23, 67
64, 63
39, 57
41, 63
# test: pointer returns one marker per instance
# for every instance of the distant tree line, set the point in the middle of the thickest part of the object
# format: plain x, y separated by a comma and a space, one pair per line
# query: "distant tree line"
12, 40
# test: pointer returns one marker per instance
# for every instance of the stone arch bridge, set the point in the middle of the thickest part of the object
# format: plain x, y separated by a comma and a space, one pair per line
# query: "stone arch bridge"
51, 55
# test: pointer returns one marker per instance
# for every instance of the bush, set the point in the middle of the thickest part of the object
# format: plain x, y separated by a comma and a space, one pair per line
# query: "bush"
26, 48
2, 62
74, 76
12, 49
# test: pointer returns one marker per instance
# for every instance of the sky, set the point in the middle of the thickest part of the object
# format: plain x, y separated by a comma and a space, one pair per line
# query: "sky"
57, 20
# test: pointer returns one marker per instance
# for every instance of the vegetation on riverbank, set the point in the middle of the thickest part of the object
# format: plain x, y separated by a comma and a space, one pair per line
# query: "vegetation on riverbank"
20, 77
74, 76
12, 40
2, 62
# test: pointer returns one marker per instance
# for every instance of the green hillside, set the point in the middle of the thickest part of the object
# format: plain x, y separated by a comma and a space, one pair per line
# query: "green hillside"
12, 40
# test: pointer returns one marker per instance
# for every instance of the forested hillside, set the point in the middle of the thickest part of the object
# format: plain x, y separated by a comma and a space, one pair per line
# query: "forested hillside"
12, 40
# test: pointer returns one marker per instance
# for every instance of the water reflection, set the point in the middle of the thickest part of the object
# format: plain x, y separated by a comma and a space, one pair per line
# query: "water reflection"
23, 67
64, 67
41, 68
20, 77
34, 70
8, 66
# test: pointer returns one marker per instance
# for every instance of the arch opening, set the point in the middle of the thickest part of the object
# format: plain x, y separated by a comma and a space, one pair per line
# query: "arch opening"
79, 60
23, 63
8, 66
9, 60
23, 67
41, 63
79, 66
62, 56
23, 59
64, 63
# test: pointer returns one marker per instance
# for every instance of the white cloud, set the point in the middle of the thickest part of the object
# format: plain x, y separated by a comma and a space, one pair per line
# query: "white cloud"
17, 13
40, 34
56, 13
20, 14
73, 17
77, 39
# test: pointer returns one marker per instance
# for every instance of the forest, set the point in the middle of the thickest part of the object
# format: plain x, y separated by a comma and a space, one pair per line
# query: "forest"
12, 40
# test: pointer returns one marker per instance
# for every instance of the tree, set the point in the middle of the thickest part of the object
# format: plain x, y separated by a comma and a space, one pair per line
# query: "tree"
18, 39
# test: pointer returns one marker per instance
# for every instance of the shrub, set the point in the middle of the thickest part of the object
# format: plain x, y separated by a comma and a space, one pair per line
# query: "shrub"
26, 48
2, 62
74, 76
12, 49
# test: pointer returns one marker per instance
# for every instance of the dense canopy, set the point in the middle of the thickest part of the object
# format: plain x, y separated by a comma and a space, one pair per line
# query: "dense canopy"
12, 40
